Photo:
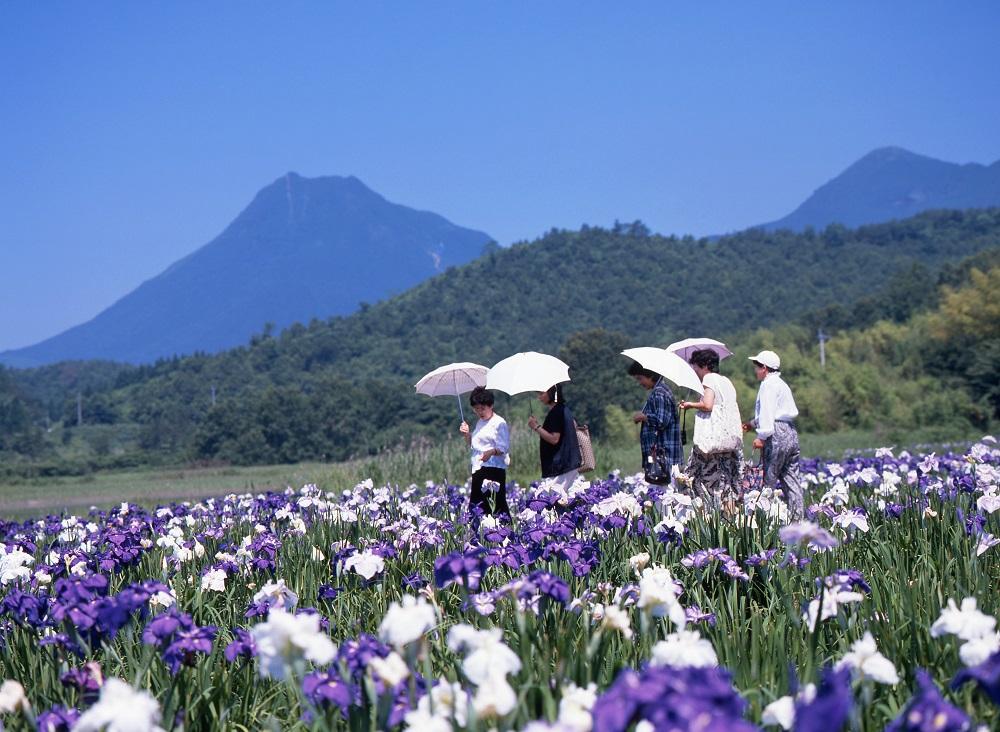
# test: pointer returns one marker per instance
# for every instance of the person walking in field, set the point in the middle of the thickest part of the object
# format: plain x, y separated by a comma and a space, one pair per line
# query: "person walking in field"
717, 455
774, 421
558, 448
658, 418
489, 443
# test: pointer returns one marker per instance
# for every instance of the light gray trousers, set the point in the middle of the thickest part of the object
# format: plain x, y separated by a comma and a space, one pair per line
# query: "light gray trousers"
781, 467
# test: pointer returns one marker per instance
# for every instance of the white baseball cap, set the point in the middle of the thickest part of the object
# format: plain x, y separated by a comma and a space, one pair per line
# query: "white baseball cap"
768, 358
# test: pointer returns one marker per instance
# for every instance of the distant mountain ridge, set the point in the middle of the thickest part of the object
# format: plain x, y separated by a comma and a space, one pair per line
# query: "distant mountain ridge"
316, 248
892, 183
304, 248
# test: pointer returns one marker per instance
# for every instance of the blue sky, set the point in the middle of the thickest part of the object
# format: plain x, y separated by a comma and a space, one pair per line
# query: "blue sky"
133, 133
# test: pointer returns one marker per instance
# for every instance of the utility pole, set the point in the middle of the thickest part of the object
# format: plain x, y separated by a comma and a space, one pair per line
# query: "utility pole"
79, 409
823, 338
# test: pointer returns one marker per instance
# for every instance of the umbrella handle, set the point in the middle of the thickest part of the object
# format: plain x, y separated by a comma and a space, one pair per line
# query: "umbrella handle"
460, 412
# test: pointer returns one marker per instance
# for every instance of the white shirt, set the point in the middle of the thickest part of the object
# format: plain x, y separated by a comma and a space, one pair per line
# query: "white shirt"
488, 434
774, 404
722, 424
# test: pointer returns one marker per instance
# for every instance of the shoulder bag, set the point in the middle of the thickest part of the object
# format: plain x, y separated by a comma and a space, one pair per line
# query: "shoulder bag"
587, 461
657, 467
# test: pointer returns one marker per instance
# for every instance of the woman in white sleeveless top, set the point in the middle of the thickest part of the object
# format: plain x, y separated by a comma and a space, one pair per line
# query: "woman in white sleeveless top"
717, 457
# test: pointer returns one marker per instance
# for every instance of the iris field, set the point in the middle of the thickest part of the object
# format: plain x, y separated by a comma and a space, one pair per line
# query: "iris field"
614, 606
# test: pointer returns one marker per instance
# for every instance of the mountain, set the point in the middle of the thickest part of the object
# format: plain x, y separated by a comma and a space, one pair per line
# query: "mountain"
892, 183
304, 248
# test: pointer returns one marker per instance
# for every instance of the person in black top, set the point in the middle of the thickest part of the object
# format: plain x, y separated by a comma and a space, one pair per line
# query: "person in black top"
558, 448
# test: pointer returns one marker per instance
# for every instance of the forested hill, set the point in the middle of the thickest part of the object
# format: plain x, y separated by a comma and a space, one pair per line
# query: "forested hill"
654, 289
344, 386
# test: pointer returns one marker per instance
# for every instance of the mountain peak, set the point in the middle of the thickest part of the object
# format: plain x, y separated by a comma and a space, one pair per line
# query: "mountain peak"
889, 154
303, 248
894, 183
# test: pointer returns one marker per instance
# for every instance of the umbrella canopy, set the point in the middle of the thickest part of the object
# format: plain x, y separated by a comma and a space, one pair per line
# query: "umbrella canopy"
685, 348
666, 364
452, 379
527, 371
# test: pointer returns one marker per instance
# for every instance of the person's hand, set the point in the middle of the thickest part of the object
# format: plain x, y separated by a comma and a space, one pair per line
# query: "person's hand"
532, 423
464, 428
758, 444
747, 426
685, 405
638, 417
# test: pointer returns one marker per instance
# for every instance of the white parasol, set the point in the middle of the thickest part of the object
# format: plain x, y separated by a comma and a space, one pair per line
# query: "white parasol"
666, 364
454, 379
685, 348
527, 371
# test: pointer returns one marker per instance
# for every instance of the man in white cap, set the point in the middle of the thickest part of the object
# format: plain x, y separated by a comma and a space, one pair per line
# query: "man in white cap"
774, 420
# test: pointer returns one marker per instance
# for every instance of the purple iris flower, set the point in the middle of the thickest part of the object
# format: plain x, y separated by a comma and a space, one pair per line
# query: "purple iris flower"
583, 556
258, 609
87, 680
830, 709
549, 585
847, 579
703, 557
460, 568
414, 581
806, 532
927, 711
82, 590
672, 699
57, 719
328, 592
178, 639
894, 510
242, 646
513, 556
974, 524
112, 615
986, 675
264, 548
63, 641
694, 614
792, 560
756, 560
497, 534
327, 689
964, 483
25, 608
732, 568
669, 535
356, 653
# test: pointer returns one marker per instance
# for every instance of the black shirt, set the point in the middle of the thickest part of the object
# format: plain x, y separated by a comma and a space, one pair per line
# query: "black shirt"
565, 454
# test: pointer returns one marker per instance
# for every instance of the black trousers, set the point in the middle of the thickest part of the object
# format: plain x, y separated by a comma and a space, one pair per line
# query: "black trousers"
481, 499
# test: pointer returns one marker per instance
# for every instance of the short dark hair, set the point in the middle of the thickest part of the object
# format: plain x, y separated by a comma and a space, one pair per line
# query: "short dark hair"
759, 365
705, 358
635, 369
481, 395
555, 394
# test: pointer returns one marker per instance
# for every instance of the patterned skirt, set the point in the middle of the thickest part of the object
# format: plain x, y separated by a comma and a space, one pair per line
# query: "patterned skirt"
716, 476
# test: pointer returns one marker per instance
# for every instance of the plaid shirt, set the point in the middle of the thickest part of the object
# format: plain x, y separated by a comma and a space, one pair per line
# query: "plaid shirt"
661, 426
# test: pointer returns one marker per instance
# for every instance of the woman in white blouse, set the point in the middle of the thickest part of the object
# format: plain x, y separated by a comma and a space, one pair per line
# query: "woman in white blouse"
717, 458
489, 443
